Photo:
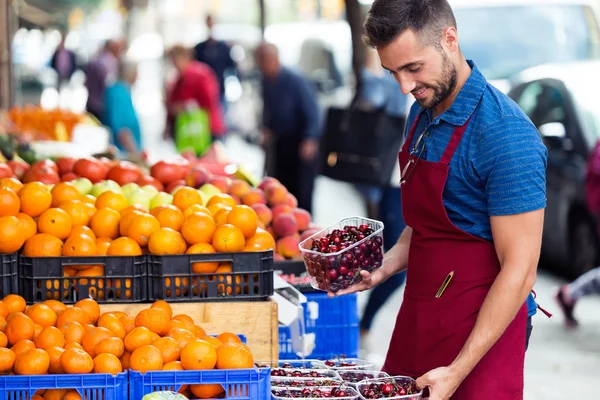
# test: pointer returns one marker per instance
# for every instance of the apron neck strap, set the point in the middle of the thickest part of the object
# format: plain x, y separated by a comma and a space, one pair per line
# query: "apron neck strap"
411, 134
457, 135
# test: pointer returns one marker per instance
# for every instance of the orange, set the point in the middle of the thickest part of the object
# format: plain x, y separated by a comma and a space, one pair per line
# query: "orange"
141, 227
55, 353
88, 199
113, 200
248, 248
261, 238
3, 340
11, 183
126, 218
55, 394
91, 307
102, 245
63, 192
35, 198
9, 202
166, 241
223, 199
198, 228
82, 230
221, 216
196, 208
73, 314
76, 361
155, 320
79, 245
146, 358
124, 246
12, 234
73, 345
55, 222
203, 267
113, 345
50, 337
163, 306
126, 360
113, 324
107, 364
73, 332
77, 210
105, 223
43, 245
234, 356
169, 348
128, 323
18, 327
173, 366
228, 238
207, 390
28, 224
37, 330
7, 360
90, 209
186, 320
32, 362
228, 337
93, 337
198, 355
215, 208
214, 341
182, 336
138, 337
169, 216
245, 218
56, 306
22, 346
200, 333
42, 314
186, 197
133, 207
72, 395
2, 324
14, 303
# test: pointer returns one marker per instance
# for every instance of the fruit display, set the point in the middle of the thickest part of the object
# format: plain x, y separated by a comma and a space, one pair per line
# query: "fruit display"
339, 392
343, 363
354, 376
305, 382
41, 124
334, 257
395, 387
51, 338
292, 364
304, 373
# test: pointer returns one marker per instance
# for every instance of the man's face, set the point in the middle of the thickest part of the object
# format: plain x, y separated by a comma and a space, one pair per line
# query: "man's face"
268, 64
424, 71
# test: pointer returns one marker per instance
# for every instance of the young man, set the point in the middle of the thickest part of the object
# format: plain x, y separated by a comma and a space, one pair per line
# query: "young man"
473, 176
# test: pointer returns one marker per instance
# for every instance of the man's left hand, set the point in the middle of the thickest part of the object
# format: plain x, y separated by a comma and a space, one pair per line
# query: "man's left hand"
442, 382
309, 149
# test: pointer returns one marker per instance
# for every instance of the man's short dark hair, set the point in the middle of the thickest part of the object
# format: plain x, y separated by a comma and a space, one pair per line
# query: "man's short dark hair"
388, 19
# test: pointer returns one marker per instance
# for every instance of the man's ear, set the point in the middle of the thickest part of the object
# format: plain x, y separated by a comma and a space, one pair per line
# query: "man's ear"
450, 39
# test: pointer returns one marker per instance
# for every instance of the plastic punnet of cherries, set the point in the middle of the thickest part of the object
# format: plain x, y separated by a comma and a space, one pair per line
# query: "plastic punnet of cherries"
336, 259
322, 392
388, 387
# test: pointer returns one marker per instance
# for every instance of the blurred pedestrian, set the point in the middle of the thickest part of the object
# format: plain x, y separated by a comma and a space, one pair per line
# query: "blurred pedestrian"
291, 125
100, 72
217, 55
120, 115
196, 85
64, 62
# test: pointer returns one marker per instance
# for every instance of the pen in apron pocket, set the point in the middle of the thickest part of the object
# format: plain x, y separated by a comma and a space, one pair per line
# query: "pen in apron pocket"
444, 285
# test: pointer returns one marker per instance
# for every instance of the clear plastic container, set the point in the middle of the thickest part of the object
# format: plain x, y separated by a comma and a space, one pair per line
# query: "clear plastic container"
286, 393
293, 364
342, 363
353, 376
332, 379
340, 268
304, 373
402, 384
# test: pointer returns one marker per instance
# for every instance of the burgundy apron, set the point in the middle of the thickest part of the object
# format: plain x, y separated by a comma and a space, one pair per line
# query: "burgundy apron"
430, 332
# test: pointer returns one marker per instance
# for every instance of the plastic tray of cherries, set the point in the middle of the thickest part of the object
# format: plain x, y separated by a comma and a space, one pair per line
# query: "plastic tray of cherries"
394, 387
339, 392
335, 255
342, 363
353, 376
278, 381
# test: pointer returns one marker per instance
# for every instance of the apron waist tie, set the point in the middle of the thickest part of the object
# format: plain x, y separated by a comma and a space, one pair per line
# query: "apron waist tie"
547, 313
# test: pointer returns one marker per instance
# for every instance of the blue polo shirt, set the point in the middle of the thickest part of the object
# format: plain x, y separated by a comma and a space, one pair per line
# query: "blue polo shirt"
499, 167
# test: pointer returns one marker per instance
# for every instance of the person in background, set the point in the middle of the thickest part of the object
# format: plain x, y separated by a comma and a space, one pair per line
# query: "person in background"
102, 71
217, 55
291, 125
64, 62
196, 83
120, 115
380, 91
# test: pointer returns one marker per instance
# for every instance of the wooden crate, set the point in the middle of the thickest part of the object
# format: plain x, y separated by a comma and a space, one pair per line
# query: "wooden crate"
257, 320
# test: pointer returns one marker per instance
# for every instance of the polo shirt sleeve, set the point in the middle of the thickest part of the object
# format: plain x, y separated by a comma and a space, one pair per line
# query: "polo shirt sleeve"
511, 160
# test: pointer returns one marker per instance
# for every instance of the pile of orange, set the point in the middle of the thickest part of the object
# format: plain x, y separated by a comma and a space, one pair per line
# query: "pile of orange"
42, 124
51, 338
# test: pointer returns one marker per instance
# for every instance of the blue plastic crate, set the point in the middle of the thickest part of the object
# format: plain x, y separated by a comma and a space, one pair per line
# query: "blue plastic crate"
239, 384
90, 386
336, 328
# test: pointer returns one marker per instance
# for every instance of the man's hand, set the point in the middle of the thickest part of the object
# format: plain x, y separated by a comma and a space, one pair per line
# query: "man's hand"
309, 149
369, 281
442, 382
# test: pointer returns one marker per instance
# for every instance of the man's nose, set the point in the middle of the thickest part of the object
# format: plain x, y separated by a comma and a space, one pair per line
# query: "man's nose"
406, 83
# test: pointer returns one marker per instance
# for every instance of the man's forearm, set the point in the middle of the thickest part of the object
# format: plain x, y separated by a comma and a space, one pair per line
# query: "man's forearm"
396, 259
505, 298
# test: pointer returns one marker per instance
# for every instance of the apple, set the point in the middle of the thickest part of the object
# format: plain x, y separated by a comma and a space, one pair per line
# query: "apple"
129, 188
151, 189
50, 186
207, 191
141, 198
105, 186
84, 185
161, 199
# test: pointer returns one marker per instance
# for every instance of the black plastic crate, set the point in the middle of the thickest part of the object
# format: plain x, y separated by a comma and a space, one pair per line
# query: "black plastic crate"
125, 279
9, 274
251, 277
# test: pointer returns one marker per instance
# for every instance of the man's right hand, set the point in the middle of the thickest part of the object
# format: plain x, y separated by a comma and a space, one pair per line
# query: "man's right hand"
369, 280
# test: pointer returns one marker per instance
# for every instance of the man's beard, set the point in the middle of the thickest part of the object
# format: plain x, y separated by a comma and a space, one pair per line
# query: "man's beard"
443, 87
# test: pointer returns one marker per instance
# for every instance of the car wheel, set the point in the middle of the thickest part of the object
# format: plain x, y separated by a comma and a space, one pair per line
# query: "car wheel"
583, 246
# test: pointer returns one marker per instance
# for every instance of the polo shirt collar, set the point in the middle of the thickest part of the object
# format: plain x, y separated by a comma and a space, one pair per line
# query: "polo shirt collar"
469, 96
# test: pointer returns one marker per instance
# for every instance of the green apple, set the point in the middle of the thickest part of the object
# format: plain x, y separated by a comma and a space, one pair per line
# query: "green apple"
84, 185
150, 189
207, 191
129, 188
105, 186
50, 186
163, 198
141, 198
